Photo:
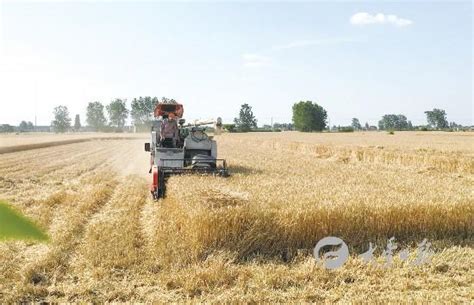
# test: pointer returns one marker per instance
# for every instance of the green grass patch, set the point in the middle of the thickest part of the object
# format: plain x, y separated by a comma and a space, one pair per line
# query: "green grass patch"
13, 225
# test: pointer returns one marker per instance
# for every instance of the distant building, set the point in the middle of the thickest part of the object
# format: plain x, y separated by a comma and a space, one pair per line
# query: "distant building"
42, 129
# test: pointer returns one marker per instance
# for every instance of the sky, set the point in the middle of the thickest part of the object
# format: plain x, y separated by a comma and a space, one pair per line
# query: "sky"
356, 59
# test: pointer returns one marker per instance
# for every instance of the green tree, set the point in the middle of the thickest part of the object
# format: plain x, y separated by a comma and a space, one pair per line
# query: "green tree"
394, 122
23, 126
95, 115
437, 118
283, 126
26, 126
401, 122
246, 120
356, 124
118, 113
62, 121
30, 126
142, 110
229, 127
6, 128
454, 125
345, 129
77, 123
309, 116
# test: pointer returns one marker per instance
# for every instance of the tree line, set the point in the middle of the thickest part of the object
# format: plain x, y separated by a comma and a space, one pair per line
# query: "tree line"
111, 117
307, 117
141, 113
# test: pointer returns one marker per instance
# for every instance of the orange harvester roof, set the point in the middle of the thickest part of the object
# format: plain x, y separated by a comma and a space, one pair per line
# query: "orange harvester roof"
167, 109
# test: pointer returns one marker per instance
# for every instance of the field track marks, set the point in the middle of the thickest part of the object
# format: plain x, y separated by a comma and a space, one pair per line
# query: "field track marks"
149, 222
8, 161
112, 242
132, 160
17, 148
65, 231
50, 159
63, 173
31, 164
25, 189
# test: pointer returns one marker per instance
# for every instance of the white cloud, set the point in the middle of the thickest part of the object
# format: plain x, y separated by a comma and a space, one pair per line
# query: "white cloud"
363, 18
255, 60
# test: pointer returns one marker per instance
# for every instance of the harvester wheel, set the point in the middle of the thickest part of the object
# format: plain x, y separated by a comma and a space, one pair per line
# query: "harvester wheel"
158, 185
158, 193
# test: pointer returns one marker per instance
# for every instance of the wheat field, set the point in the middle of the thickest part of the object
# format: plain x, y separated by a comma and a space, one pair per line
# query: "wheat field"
249, 237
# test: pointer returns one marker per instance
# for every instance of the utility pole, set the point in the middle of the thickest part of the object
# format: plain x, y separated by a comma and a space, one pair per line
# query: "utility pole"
271, 123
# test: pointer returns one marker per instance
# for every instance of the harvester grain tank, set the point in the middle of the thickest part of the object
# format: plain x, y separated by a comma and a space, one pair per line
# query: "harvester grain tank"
176, 148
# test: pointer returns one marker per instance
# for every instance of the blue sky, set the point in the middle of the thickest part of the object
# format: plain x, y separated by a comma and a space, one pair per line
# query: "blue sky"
356, 59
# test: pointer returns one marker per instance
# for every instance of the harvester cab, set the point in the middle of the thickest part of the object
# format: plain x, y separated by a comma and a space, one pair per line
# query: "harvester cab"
176, 148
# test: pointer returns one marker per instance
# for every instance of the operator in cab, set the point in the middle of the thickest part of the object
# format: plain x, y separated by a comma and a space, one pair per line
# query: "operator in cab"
169, 131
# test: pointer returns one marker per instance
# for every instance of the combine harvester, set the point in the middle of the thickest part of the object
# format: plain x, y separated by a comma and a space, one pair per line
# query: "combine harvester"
177, 148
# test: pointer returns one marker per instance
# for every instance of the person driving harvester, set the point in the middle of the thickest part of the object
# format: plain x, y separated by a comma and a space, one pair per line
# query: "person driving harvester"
169, 131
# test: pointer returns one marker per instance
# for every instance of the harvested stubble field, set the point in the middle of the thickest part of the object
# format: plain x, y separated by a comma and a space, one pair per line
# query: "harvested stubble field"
248, 237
